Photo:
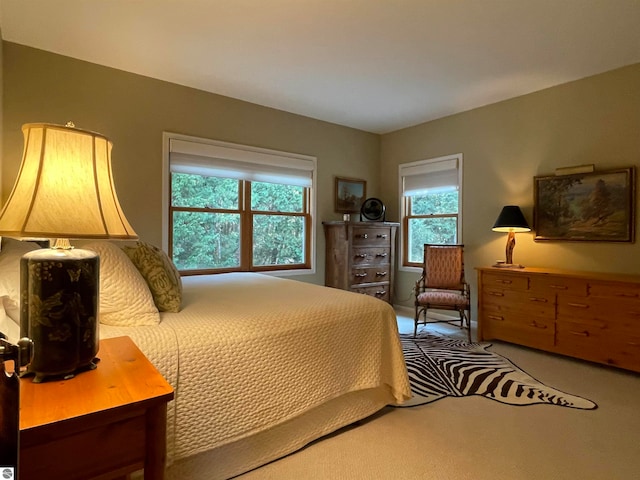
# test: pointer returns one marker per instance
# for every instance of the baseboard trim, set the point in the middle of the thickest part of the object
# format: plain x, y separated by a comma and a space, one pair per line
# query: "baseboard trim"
410, 312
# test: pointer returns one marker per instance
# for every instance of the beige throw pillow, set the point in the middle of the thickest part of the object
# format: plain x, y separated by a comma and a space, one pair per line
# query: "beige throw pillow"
160, 274
125, 299
11, 251
8, 326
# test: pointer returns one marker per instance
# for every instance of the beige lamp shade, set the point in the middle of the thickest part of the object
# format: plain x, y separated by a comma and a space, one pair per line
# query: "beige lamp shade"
64, 187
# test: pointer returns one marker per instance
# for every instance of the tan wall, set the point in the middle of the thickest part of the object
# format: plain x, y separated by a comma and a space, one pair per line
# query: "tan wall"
594, 120
591, 121
133, 111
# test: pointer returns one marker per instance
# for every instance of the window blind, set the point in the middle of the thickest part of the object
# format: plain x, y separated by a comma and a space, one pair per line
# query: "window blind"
239, 162
429, 177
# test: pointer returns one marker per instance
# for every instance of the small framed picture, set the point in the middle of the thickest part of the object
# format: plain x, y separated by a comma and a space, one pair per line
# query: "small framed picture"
596, 207
350, 193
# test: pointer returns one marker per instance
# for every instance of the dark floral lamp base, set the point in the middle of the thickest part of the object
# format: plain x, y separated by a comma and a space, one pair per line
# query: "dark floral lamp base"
59, 310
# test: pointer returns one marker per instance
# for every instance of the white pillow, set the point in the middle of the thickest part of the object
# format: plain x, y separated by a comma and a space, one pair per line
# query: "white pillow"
125, 299
7, 325
11, 251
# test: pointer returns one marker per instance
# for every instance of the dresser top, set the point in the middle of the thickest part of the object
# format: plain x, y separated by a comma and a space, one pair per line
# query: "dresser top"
361, 224
608, 276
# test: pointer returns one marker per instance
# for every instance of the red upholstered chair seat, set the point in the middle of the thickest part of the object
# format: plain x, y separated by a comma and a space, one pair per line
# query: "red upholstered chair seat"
440, 297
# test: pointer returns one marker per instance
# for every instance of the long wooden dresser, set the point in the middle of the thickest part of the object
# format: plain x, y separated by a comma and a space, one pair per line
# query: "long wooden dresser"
360, 257
592, 316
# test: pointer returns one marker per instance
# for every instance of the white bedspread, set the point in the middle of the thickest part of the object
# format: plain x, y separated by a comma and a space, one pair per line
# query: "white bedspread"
248, 352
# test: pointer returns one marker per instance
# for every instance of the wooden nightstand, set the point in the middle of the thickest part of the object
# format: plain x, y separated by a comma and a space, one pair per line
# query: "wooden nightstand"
103, 424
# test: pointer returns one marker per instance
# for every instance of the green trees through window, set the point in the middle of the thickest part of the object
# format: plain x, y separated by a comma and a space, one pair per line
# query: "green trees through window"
222, 224
431, 218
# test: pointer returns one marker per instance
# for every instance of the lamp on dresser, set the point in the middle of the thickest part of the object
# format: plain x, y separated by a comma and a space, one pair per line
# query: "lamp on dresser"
512, 221
64, 190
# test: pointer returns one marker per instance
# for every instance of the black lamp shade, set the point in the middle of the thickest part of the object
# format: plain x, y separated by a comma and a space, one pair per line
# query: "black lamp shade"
511, 219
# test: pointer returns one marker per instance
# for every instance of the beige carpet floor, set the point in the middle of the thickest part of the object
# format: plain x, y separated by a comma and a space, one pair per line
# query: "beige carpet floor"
479, 439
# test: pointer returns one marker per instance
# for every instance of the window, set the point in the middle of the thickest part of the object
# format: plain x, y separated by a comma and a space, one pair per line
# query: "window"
431, 199
238, 208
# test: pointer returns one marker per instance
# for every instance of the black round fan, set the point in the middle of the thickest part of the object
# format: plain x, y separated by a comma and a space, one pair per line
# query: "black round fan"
373, 209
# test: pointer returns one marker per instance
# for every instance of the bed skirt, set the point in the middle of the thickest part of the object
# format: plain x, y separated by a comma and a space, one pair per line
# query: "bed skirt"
244, 455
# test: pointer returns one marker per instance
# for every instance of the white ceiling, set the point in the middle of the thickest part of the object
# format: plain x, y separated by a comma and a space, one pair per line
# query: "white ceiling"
376, 65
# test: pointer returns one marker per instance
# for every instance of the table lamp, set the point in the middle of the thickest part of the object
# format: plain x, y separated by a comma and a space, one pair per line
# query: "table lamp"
510, 220
64, 189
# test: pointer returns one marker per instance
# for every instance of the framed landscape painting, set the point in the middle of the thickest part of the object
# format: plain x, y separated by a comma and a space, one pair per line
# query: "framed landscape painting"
350, 193
597, 206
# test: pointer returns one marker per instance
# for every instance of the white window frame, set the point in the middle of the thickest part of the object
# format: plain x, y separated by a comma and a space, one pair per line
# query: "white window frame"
419, 167
230, 152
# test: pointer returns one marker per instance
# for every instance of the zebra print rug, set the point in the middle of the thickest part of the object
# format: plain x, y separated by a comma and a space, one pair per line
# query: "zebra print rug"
443, 367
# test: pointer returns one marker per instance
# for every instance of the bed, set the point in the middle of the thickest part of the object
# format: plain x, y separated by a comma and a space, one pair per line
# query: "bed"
260, 365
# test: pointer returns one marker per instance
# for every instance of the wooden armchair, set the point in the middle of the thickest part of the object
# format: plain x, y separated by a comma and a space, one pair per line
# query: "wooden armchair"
443, 287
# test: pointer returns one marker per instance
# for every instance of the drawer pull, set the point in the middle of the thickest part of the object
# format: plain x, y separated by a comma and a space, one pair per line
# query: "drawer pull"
497, 294
584, 333
504, 282
360, 275
362, 235
381, 274
577, 305
361, 255
626, 295
381, 235
538, 299
496, 317
559, 287
381, 293
381, 254
536, 325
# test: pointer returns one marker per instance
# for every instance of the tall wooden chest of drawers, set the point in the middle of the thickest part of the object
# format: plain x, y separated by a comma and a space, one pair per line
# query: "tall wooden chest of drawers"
592, 316
360, 257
